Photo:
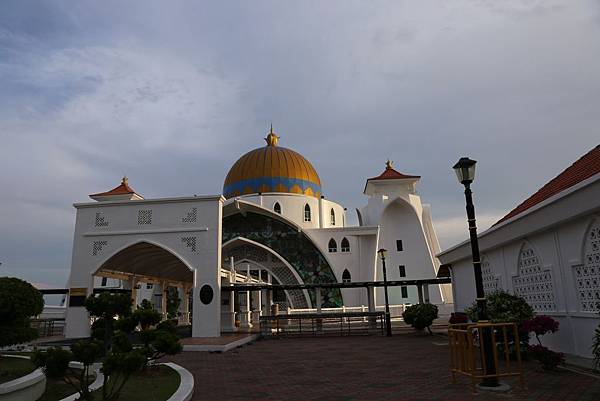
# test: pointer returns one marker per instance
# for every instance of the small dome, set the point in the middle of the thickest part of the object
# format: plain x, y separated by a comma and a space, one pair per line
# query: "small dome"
272, 169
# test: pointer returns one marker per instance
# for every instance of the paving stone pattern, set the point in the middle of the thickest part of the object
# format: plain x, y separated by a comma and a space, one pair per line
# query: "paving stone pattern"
404, 367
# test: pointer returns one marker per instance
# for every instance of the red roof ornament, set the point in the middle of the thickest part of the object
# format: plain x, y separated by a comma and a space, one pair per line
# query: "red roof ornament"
390, 174
587, 166
123, 191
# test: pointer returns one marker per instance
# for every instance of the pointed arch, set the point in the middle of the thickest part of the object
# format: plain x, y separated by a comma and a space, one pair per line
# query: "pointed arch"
307, 213
345, 245
346, 276
587, 274
332, 217
332, 245
277, 208
533, 282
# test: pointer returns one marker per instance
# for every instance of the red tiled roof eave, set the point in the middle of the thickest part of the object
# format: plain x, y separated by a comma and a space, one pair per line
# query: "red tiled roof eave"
122, 189
391, 174
587, 166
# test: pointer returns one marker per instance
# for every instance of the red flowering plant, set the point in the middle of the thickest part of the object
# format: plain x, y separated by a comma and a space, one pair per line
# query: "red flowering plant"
541, 325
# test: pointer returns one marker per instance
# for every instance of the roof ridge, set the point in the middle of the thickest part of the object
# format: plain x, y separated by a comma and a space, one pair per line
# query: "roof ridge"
584, 167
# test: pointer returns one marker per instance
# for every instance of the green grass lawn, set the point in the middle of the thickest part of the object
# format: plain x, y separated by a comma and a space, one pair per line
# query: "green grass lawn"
13, 368
151, 385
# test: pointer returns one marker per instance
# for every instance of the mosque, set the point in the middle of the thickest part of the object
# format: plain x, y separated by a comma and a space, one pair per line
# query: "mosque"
271, 224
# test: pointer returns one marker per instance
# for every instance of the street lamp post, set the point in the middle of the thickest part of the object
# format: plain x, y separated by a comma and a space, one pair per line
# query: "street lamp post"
388, 321
465, 171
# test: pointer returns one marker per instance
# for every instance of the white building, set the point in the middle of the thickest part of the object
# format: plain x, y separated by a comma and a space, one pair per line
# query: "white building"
546, 250
272, 224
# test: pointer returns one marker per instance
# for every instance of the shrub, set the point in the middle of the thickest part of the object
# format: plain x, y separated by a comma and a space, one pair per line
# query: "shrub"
458, 318
503, 307
19, 301
548, 359
420, 316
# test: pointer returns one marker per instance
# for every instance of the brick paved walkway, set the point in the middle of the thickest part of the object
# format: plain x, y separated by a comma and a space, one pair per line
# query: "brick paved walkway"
404, 367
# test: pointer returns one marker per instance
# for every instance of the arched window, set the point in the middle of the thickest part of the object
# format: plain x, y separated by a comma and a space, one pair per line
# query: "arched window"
307, 213
587, 275
346, 277
277, 208
332, 245
345, 245
534, 283
332, 217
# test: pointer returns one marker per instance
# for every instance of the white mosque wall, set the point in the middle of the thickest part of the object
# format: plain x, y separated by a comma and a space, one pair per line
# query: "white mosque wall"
547, 256
293, 207
358, 258
190, 228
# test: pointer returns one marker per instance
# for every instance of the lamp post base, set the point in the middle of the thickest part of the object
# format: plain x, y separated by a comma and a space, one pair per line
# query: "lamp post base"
497, 388
388, 325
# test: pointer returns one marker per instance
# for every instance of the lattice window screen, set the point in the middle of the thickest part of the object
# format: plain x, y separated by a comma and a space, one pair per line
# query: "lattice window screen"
533, 283
100, 221
490, 282
144, 217
97, 247
191, 217
190, 243
587, 276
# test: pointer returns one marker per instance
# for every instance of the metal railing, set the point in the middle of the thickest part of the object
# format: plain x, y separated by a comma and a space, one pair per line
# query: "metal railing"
466, 354
48, 327
320, 324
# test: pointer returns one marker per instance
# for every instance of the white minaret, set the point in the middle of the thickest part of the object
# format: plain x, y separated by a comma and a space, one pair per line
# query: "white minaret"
406, 231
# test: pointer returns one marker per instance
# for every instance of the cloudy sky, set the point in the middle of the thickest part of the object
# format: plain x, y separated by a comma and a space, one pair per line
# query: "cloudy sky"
172, 93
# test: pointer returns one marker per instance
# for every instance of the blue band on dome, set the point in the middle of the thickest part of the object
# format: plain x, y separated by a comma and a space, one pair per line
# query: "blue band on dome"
272, 183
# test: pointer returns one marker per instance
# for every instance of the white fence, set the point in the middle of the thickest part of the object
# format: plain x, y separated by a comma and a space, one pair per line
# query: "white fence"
396, 311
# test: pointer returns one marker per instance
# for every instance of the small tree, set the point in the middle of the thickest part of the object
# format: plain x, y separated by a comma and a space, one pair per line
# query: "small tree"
420, 316
541, 325
19, 301
120, 360
107, 307
146, 316
173, 303
55, 363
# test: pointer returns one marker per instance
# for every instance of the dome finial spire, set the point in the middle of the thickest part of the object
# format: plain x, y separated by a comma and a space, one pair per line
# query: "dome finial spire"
389, 164
272, 139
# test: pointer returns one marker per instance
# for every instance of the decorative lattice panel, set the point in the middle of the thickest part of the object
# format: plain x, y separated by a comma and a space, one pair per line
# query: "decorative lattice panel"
144, 217
587, 276
190, 243
97, 247
100, 220
534, 283
491, 283
248, 252
191, 217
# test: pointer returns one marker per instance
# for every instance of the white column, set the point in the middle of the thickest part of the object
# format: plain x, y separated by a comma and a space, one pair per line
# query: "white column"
256, 306
318, 299
244, 313
420, 293
185, 305
426, 293
163, 301
134, 283
371, 298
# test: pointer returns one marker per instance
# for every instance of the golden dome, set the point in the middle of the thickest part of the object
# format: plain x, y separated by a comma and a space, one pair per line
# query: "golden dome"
272, 169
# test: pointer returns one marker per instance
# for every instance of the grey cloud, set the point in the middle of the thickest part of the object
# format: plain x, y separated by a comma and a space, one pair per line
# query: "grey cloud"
171, 94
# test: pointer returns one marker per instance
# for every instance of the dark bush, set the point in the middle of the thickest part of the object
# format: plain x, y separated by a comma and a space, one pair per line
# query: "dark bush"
503, 307
19, 301
420, 316
458, 318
